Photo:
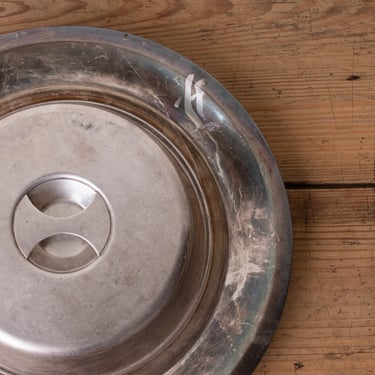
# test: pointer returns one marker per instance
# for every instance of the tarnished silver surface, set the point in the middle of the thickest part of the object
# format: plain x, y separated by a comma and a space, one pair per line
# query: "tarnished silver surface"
52, 234
144, 224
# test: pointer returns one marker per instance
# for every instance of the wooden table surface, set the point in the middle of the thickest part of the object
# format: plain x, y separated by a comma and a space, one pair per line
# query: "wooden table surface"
305, 71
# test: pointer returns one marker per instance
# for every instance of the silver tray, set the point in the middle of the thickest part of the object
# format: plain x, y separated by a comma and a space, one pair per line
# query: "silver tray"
144, 224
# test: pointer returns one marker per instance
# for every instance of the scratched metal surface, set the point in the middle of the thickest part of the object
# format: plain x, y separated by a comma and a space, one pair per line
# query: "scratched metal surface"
241, 198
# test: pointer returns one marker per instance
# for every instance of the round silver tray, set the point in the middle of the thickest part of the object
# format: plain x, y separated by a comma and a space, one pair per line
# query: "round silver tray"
144, 224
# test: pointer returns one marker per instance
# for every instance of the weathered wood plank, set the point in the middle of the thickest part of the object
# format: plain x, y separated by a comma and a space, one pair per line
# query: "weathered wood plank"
329, 318
288, 62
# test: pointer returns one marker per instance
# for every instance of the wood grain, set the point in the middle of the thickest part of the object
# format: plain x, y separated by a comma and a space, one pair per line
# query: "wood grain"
305, 70
328, 326
287, 62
